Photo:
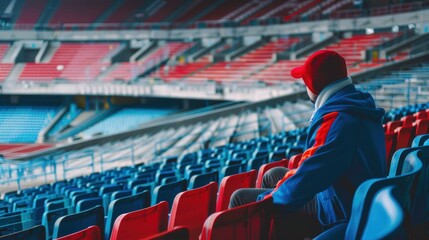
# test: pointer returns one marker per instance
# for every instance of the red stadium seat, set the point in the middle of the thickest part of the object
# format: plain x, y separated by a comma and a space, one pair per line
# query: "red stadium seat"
294, 161
231, 183
390, 140
408, 120
391, 126
264, 168
191, 208
178, 233
405, 136
421, 115
141, 223
250, 221
91, 233
422, 126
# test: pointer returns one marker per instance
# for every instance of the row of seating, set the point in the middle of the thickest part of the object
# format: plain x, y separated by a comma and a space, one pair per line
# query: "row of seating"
169, 189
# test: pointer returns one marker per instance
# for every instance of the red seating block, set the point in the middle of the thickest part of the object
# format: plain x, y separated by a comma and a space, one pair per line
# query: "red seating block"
141, 223
390, 140
191, 208
232, 183
421, 115
250, 221
91, 233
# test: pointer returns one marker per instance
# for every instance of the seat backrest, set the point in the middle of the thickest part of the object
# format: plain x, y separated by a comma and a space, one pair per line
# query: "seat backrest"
88, 203
230, 170
419, 212
79, 221
90, 233
390, 141
178, 233
34, 233
391, 126
168, 191
422, 126
408, 120
420, 140
294, 161
405, 136
264, 168
250, 221
125, 205
366, 192
203, 179
231, 183
50, 217
191, 208
141, 223
385, 217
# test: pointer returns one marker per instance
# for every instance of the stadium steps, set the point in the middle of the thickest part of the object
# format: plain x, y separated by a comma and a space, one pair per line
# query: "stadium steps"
108, 12
13, 52
208, 9
13, 76
106, 72
52, 48
179, 12
4, 4
252, 10
95, 118
43, 133
49, 11
140, 11
111, 54
17, 8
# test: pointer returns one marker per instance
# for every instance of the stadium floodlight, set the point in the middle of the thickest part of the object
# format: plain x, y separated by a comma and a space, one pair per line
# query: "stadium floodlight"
60, 67
369, 31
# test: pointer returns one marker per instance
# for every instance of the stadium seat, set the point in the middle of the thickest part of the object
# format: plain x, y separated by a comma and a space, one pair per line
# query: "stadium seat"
178, 233
34, 233
91, 233
422, 126
50, 217
420, 140
203, 179
419, 214
390, 141
405, 136
72, 223
168, 191
192, 207
294, 161
125, 205
232, 183
391, 126
264, 168
250, 221
141, 223
370, 203
88, 203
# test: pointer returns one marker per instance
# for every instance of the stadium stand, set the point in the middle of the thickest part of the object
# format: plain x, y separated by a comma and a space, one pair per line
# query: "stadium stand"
72, 62
130, 165
23, 124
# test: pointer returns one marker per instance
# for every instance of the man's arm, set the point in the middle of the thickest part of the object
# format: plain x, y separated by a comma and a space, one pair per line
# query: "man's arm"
324, 162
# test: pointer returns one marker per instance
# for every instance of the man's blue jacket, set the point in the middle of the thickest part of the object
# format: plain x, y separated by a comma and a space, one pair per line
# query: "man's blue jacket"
345, 147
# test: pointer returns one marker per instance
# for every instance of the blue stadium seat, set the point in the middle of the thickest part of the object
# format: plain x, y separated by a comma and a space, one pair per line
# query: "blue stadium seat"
79, 221
34, 233
50, 217
203, 179
168, 191
88, 203
397, 196
125, 205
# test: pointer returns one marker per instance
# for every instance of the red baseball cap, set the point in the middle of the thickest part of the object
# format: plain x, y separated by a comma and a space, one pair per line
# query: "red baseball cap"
321, 68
